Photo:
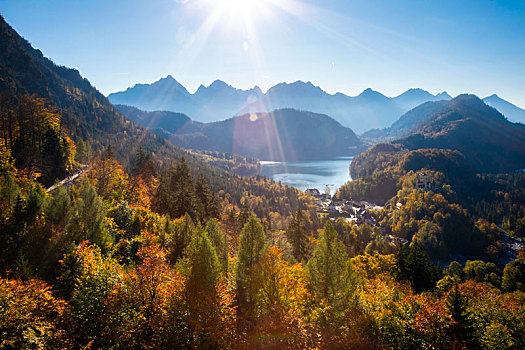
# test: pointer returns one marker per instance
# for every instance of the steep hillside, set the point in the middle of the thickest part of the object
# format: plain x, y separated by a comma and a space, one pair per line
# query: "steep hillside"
86, 114
410, 121
484, 136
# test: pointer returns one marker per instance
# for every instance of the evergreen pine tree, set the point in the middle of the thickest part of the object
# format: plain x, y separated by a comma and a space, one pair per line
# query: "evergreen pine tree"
297, 236
218, 239
143, 165
328, 268
183, 191
252, 247
58, 208
175, 194
415, 266
88, 224
207, 201
180, 239
457, 306
201, 289
331, 280
204, 266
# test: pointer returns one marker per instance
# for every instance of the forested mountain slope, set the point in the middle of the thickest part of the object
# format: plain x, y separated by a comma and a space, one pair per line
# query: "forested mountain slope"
483, 135
285, 134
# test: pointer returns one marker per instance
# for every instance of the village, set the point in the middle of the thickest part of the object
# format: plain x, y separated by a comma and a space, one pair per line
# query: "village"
360, 212
357, 212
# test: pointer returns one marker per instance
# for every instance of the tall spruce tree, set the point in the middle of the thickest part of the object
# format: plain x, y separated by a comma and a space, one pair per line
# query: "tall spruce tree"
331, 280
219, 242
179, 240
298, 236
183, 192
207, 201
204, 266
175, 194
252, 247
415, 266
328, 269
457, 306
201, 289
143, 165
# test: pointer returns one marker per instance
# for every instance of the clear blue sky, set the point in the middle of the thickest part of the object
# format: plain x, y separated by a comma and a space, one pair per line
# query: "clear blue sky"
475, 46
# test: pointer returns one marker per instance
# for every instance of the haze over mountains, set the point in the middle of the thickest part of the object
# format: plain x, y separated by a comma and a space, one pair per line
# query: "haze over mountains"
282, 135
220, 101
512, 112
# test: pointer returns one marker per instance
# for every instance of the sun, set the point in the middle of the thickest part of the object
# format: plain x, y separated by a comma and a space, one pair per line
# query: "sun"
241, 11
238, 22
241, 7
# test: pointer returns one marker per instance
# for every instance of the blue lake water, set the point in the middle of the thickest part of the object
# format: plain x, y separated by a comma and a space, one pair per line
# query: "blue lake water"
310, 174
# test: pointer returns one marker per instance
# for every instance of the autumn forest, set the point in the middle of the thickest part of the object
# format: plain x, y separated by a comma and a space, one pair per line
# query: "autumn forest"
111, 237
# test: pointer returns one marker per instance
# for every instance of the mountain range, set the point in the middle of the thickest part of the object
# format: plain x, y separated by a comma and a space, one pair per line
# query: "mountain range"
282, 135
219, 101
487, 139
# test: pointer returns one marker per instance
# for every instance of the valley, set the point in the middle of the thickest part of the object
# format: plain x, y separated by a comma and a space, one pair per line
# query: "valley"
227, 218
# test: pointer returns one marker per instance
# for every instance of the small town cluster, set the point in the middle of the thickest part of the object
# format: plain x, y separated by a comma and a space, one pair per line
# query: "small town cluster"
358, 212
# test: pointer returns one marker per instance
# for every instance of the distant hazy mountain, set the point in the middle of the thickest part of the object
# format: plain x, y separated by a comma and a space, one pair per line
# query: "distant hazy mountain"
209, 103
414, 97
170, 122
483, 135
418, 116
284, 134
512, 112
219, 101
165, 94
408, 122
368, 110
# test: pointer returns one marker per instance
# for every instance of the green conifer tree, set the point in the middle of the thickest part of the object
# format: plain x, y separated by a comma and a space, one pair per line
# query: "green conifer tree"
207, 201
180, 239
252, 247
298, 236
415, 266
183, 192
218, 239
328, 268
175, 194
457, 306
201, 289
331, 279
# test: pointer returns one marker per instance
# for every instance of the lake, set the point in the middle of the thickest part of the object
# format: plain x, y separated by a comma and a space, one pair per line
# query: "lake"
310, 174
